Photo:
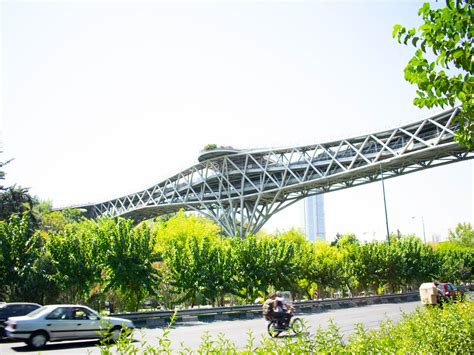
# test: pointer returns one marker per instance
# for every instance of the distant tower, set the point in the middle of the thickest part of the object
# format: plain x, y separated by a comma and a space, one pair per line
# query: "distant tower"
314, 218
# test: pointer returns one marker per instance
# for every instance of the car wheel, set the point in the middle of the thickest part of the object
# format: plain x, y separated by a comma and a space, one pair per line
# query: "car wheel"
38, 340
114, 334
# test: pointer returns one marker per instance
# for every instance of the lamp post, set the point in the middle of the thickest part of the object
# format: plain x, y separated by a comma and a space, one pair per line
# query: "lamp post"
423, 225
385, 205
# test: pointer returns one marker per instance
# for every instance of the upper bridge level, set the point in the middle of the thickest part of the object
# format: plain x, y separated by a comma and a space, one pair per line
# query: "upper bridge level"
241, 190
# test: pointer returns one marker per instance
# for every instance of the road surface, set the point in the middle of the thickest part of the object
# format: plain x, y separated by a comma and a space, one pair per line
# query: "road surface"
190, 334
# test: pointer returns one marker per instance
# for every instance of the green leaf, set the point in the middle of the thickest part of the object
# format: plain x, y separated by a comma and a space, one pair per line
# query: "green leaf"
423, 46
396, 28
424, 9
458, 53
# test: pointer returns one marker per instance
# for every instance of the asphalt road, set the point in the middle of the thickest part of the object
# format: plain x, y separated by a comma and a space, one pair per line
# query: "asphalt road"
190, 334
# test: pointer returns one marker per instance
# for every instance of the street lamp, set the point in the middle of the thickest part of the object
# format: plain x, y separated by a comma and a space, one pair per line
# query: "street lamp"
423, 224
385, 205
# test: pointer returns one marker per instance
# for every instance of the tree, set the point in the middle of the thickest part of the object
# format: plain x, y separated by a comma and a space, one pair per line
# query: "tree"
343, 241
200, 269
444, 75
19, 249
182, 226
262, 263
327, 268
2, 173
418, 262
56, 221
463, 235
72, 254
182, 270
16, 200
455, 264
130, 262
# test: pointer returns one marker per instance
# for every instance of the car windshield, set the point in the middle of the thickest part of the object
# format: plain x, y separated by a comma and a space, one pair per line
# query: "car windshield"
37, 311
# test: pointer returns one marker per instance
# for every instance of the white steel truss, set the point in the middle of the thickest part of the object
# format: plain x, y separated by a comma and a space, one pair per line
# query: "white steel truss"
242, 191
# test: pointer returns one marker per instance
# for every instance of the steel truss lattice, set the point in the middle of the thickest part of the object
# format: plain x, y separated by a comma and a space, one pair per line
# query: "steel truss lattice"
242, 191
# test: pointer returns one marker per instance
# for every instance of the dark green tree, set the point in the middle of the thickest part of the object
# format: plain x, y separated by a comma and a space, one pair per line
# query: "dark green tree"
130, 262
16, 200
2, 173
264, 262
19, 249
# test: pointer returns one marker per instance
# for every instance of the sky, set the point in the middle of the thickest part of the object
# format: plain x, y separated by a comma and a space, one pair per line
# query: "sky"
101, 99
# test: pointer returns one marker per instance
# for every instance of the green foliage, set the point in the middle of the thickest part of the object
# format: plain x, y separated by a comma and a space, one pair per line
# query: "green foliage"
433, 330
200, 268
185, 261
2, 173
345, 240
180, 226
16, 200
326, 268
129, 262
19, 249
455, 264
418, 261
210, 147
56, 221
264, 262
444, 75
75, 269
463, 235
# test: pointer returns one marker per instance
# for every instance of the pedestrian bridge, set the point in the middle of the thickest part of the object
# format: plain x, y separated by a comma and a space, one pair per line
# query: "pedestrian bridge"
241, 190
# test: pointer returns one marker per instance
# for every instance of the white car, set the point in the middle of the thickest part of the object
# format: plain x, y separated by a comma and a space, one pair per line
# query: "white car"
64, 322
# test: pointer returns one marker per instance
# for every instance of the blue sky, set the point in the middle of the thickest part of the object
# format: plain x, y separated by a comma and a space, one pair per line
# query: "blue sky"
100, 99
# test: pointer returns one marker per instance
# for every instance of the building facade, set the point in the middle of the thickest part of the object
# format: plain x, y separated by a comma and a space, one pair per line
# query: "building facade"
314, 218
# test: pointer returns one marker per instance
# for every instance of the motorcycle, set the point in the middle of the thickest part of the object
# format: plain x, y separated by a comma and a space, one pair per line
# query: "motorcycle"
275, 328
278, 322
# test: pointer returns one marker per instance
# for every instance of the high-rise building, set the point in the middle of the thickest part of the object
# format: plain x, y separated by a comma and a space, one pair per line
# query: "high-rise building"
314, 218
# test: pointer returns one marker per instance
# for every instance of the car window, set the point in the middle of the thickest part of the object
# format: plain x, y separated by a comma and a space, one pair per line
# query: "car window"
14, 309
30, 307
37, 311
91, 314
79, 313
82, 313
60, 313
451, 287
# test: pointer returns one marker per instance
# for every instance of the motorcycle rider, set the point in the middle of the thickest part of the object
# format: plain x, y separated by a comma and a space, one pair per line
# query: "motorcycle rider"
282, 310
268, 307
